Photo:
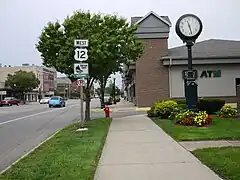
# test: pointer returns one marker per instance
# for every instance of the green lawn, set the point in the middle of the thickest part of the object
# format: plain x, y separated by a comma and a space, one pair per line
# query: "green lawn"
68, 155
220, 129
225, 161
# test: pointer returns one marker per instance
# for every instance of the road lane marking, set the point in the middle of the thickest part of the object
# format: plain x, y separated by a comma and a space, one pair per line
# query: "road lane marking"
25, 117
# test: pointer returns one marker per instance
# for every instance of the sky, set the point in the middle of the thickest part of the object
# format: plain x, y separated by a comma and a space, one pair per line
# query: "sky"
21, 21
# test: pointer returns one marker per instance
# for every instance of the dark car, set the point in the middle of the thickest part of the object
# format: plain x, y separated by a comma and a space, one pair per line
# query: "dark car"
9, 101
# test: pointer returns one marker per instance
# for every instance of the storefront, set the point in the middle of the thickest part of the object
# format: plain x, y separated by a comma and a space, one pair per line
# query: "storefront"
158, 73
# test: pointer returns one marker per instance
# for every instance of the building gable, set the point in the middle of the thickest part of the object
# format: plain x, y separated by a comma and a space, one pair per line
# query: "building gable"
152, 26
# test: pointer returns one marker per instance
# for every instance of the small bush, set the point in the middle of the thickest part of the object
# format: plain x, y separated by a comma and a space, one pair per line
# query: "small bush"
183, 106
163, 109
211, 106
227, 112
151, 112
180, 101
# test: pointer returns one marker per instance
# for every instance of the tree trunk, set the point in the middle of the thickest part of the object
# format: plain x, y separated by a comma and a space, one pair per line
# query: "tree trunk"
102, 95
87, 102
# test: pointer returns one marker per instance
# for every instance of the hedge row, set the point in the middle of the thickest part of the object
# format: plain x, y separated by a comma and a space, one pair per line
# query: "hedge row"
211, 106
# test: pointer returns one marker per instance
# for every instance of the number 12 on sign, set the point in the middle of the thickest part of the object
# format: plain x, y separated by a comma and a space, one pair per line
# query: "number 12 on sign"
81, 54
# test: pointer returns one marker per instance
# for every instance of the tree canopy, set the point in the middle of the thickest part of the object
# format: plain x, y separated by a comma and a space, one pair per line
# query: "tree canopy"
22, 81
112, 42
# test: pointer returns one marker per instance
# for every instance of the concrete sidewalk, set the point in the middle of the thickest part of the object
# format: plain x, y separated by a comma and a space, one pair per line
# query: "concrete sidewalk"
137, 149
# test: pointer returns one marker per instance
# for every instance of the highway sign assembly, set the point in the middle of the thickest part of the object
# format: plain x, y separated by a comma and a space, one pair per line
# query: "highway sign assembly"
81, 71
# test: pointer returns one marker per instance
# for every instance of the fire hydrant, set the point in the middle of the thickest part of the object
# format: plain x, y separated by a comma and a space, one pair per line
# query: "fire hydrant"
107, 111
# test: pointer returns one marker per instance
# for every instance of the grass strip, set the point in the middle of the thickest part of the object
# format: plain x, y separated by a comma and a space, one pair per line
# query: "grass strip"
220, 129
68, 155
225, 161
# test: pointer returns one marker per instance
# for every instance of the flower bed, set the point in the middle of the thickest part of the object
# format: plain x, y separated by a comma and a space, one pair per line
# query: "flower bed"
190, 118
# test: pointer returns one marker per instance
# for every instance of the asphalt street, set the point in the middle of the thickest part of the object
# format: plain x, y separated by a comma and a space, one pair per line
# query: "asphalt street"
24, 127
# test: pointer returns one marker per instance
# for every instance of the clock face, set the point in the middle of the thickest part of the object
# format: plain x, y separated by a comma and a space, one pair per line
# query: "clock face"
189, 26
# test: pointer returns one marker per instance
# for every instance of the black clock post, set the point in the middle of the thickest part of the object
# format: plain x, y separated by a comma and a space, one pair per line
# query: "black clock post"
188, 28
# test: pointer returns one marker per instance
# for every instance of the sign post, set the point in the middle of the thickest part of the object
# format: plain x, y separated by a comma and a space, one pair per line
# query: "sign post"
81, 71
80, 84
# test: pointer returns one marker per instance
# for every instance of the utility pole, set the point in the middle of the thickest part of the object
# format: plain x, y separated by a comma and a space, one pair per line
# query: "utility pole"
114, 90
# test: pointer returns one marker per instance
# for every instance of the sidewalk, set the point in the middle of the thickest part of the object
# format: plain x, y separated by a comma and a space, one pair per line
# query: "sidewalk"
137, 149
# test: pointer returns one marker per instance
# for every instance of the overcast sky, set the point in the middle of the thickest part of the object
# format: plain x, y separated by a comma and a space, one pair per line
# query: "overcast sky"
21, 21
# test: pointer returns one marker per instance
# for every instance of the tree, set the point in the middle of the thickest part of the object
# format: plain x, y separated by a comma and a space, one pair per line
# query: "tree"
110, 89
112, 41
22, 81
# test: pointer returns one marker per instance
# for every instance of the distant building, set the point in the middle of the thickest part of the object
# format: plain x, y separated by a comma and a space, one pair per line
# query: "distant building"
46, 76
68, 89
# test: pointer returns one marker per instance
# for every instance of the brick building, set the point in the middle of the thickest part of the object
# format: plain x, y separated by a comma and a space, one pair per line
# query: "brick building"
46, 76
157, 74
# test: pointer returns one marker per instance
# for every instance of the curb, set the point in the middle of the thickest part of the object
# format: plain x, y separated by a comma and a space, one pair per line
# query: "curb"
30, 151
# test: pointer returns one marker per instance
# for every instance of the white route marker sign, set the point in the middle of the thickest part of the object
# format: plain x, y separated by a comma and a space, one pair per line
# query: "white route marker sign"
81, 54
81, 42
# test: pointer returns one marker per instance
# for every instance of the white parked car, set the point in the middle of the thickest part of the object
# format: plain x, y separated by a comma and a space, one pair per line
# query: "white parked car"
44, 100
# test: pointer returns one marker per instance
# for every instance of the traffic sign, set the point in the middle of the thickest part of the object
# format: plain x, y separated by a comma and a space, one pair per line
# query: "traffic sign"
81, 68
81, 42
81, 54
77, 76
80, 82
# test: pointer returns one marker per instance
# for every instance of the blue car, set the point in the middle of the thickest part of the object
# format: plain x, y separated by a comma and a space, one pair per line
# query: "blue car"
56, 101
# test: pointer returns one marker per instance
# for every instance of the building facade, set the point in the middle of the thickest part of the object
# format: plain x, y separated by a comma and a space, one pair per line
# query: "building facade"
158, 73
68, 89
46, 76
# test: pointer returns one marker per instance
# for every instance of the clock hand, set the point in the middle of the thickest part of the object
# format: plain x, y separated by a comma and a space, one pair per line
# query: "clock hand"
189, 27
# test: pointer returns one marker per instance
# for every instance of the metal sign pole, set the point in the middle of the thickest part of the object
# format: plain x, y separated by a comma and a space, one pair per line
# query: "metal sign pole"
81, 72
81, 102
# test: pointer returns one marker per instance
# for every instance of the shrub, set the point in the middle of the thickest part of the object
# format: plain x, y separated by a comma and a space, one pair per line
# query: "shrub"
227, 112
211, 106
180, 101
164, 108
174, 113
151, 112
183, 106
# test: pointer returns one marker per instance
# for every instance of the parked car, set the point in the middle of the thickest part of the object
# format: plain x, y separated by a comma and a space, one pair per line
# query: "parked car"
9, 101
44, 100
56, 101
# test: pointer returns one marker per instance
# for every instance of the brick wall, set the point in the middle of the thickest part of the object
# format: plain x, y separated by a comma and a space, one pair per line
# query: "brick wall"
152, 78
238, 99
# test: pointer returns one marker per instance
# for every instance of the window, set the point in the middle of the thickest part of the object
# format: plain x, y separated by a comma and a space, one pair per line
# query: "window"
54, 98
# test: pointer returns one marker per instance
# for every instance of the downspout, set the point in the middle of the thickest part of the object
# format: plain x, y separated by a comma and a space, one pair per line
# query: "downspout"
170, 78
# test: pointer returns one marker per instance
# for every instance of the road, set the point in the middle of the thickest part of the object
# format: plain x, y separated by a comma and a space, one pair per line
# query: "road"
24, 127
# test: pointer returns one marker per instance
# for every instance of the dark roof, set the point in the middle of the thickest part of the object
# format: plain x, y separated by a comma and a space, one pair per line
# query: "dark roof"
212, 48
135, 19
